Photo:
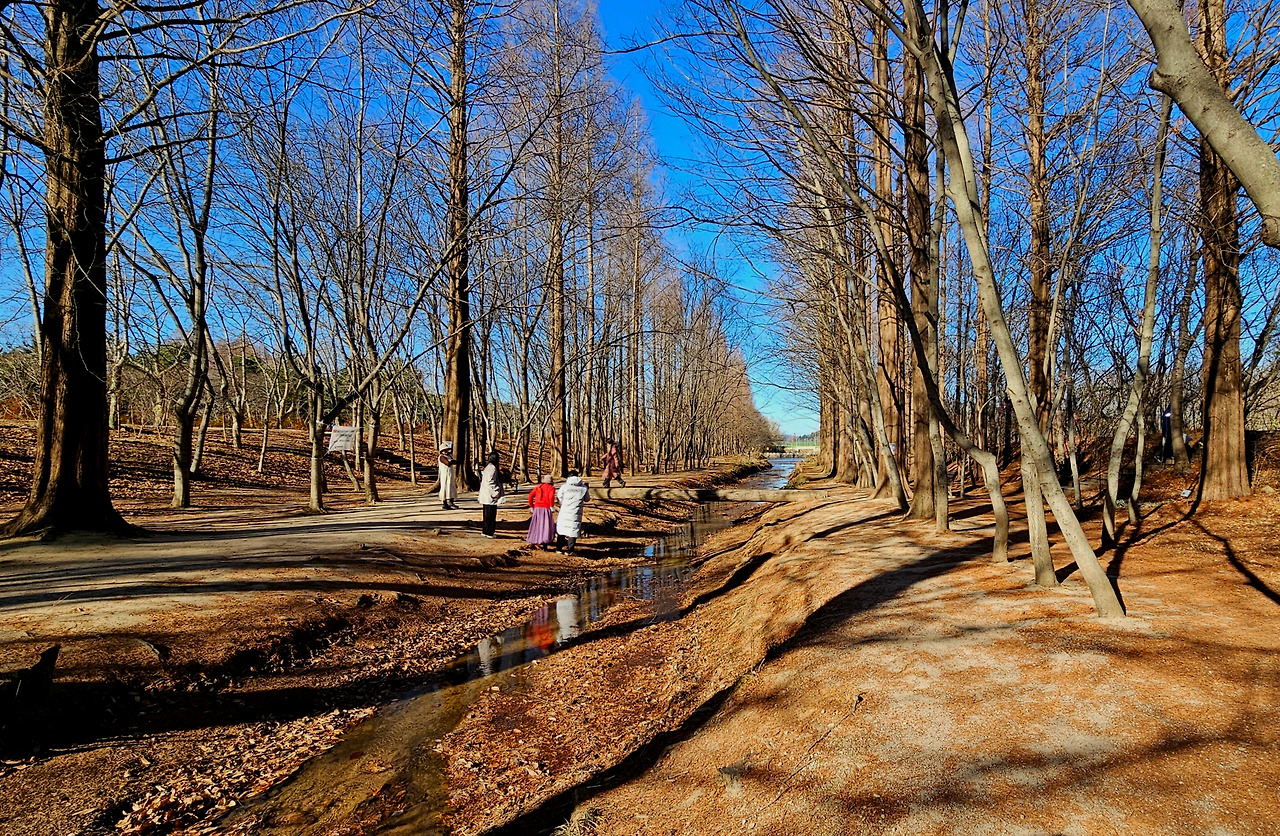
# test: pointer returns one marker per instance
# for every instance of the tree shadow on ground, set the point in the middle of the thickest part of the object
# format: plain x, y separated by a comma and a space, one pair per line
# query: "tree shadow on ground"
862, 597
1251, 578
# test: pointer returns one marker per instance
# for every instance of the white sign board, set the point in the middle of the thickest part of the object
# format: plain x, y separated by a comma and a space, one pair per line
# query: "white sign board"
343, 439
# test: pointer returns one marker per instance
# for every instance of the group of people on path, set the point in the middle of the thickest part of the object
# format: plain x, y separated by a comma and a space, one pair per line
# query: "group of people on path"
571, 496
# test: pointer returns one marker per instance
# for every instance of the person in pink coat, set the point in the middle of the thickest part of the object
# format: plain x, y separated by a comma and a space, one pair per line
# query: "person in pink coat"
612, 464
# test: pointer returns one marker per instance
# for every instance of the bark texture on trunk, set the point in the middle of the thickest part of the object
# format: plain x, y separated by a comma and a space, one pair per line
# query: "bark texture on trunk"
888, 370
923, 289
1183, 75
69, 488
1224, 473
456, 426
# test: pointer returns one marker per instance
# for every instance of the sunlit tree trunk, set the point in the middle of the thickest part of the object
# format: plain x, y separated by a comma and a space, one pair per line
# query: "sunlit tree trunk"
69, 488
456, 425
923, 289
889, 370
1224, 473
1133, 407
1040, 269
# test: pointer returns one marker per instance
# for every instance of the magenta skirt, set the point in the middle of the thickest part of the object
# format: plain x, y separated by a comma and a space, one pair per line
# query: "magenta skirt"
542, 529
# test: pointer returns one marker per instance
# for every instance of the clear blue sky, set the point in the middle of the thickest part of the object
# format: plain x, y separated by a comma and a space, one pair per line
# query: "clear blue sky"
627, 23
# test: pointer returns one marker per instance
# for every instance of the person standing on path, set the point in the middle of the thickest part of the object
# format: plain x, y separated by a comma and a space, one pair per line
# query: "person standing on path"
448, 482
572, 496
541, 529
490, 493
612, 463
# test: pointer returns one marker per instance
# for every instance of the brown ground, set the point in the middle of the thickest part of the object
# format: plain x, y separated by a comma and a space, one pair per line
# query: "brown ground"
845, 673
206, 661
834, 670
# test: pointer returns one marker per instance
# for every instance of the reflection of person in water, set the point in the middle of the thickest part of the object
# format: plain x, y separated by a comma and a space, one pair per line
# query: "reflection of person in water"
539, 636
567, 625
490, 651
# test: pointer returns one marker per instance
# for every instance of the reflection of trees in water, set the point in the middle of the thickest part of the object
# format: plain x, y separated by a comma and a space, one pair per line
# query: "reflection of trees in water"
553, 625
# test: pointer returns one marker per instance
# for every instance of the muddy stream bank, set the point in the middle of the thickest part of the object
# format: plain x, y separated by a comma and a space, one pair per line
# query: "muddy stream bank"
203, 664
388, 774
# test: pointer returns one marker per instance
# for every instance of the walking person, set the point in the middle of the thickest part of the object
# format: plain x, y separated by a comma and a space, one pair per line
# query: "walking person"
491, 493
1166, 435
448, 479
571, 496
612, 463
541, 529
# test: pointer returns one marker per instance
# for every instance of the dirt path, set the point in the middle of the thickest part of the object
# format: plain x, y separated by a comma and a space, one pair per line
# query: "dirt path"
208, 660
941, 698
840, 672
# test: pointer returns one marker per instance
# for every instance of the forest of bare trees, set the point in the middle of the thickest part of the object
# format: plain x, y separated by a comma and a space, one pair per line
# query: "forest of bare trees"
443, 215
996, 233
994, 243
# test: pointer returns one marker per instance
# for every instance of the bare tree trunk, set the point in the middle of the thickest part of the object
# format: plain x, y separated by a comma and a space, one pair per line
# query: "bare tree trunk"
1224, 473
1039, 352
266, 433
456, 425
889, 378
1192, 81
1177, 395
634, 339
69, 488
197, 455
1146, 336
315, 428
183, 437
373, 422
1138, 456
923, 288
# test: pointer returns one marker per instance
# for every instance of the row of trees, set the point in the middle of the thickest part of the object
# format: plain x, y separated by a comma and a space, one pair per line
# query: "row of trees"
986, 222
438, 210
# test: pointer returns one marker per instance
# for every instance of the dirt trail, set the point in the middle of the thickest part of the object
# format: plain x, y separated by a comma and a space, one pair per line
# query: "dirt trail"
940, 695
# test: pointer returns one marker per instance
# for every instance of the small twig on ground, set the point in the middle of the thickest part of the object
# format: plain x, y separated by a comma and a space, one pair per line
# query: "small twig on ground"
786, 785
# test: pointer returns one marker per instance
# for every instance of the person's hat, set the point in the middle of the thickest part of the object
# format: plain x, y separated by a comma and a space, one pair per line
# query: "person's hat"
448, 445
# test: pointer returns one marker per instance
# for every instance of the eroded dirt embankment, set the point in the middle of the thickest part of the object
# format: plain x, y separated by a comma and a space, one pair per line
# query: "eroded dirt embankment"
202, 664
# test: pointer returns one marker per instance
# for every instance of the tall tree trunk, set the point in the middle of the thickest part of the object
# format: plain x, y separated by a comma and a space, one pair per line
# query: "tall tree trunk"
456, 425
965, 198
202, 434
635, 341
1177, 385
373, 425
588, 384
923, 289
1040, 268
1224, 473
183, 438
889, 370
1146, 336
69, 488
560, 455
315, 428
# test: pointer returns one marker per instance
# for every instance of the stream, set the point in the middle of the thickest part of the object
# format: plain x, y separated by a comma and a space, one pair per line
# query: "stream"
390, 758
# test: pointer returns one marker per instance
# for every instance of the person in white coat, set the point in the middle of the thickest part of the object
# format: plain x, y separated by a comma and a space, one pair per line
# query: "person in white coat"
572, 495
448, 480
490, 493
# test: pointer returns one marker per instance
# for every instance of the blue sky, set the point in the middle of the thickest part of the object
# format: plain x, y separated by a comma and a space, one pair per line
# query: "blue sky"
627, 23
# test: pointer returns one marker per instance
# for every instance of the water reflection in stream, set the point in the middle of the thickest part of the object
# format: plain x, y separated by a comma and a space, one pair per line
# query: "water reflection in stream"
392, 753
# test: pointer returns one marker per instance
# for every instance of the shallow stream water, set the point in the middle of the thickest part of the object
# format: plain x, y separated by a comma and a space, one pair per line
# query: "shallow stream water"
392, 754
